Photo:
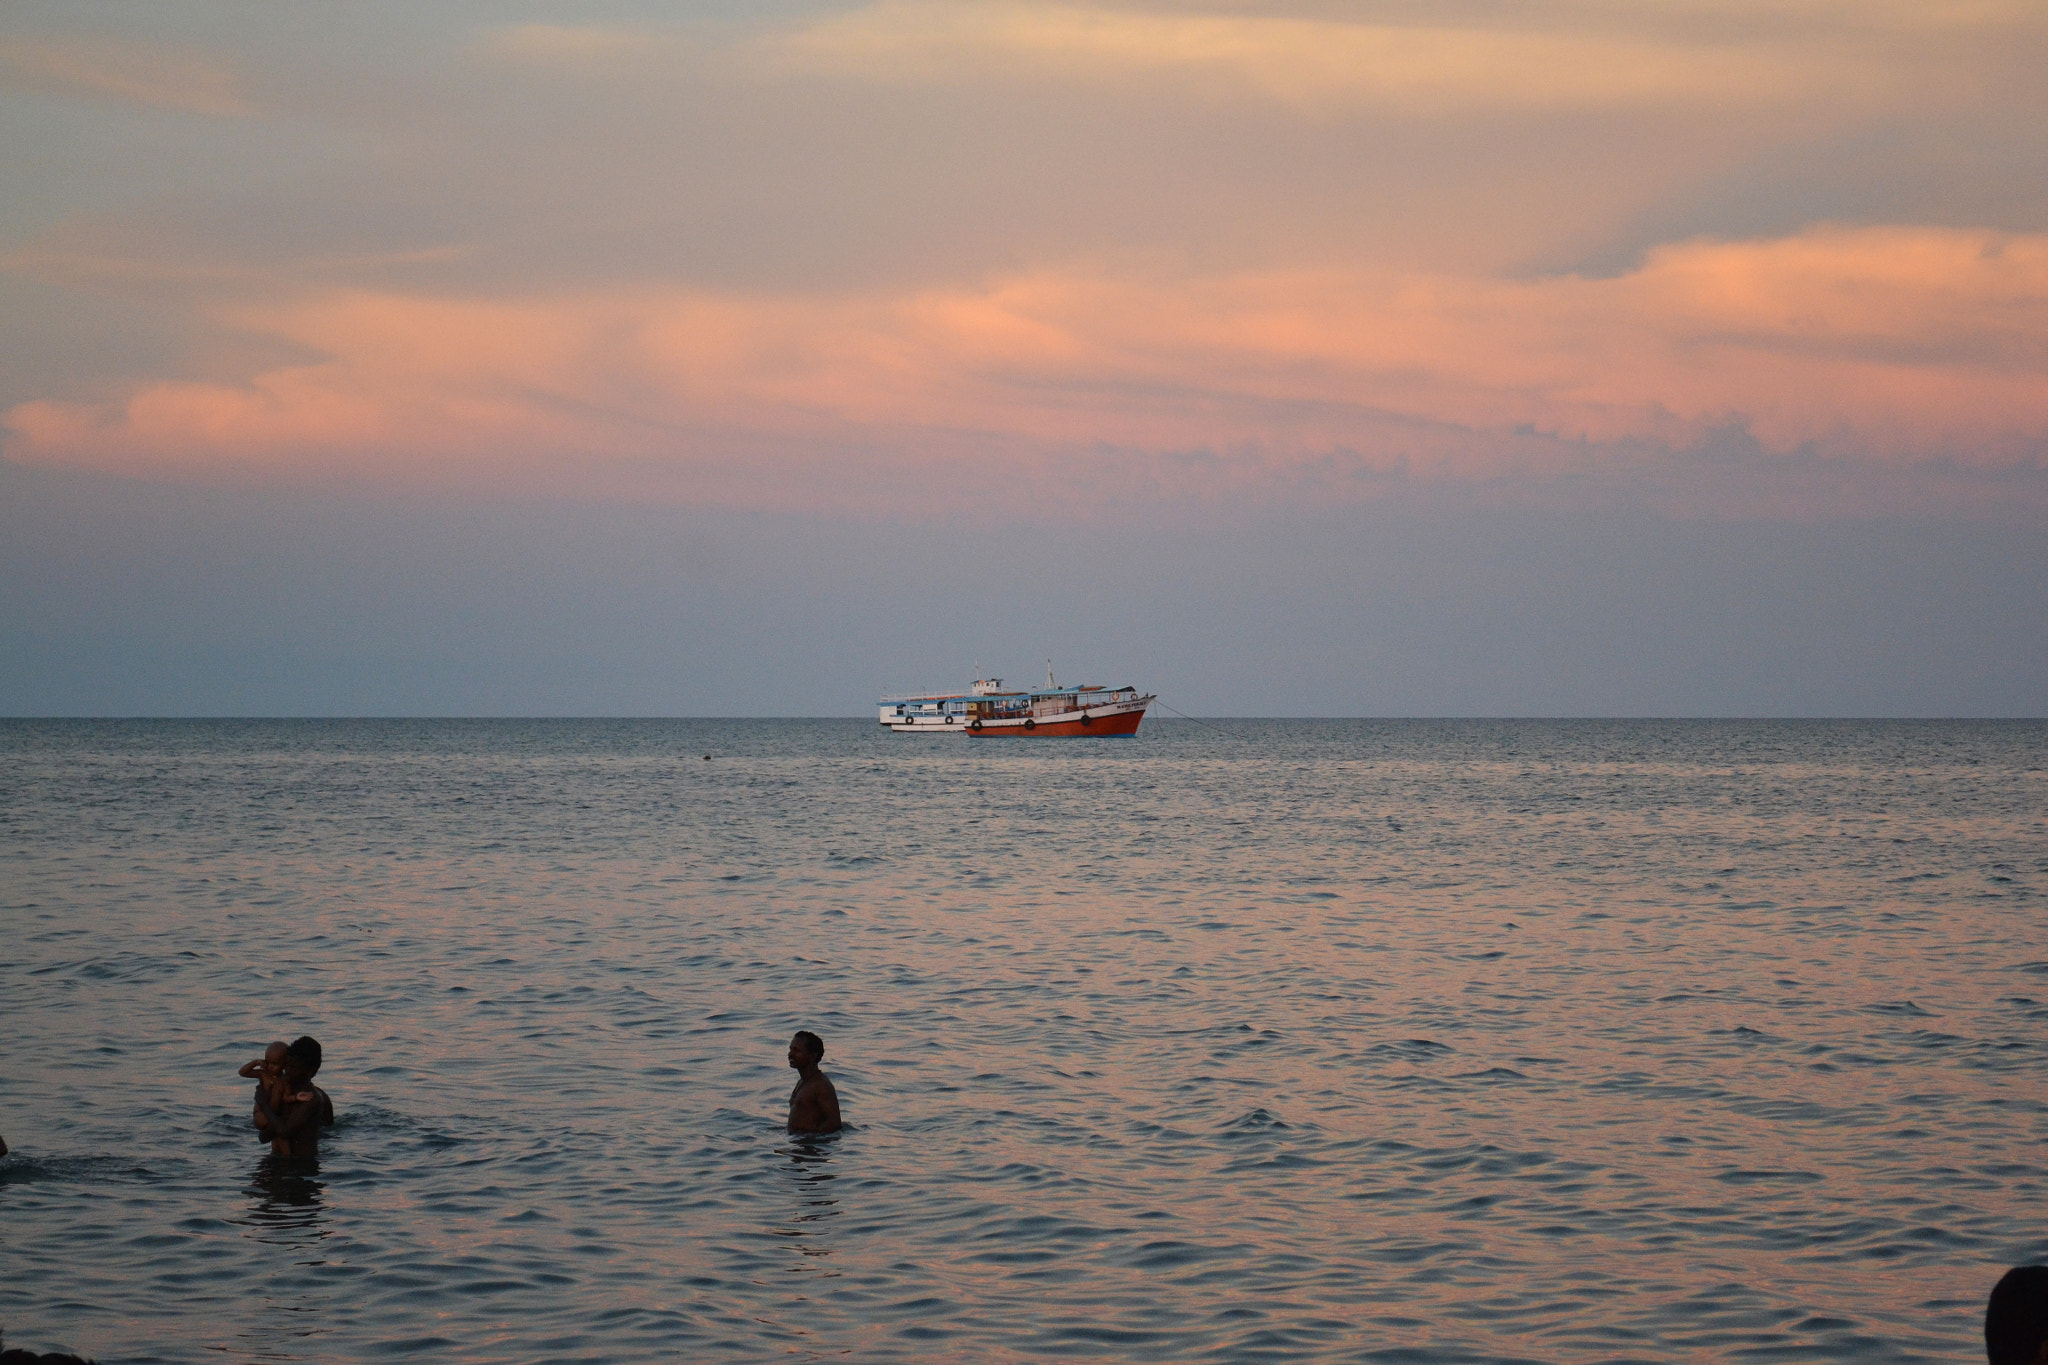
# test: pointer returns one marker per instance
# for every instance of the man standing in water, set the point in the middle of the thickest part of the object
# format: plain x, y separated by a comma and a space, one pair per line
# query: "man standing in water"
295, 1128
814, 1104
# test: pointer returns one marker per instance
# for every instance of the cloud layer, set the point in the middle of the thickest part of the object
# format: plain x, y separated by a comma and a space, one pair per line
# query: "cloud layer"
1311, 62
1885, 344
860, 257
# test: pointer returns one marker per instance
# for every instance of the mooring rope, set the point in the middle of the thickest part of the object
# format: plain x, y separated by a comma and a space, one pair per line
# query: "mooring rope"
1185, 716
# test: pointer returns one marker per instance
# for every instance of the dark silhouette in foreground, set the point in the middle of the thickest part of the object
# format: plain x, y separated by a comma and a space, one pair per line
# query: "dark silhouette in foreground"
14, 1355
814, 1104
2016, 1319
294, 1124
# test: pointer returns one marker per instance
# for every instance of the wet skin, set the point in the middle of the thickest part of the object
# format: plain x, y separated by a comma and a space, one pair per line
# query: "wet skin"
268, 1073
294, 1124
814, 1104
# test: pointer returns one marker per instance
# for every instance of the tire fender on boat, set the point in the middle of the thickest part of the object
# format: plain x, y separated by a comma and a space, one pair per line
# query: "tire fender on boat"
974, 725
1030, 724
1087, 719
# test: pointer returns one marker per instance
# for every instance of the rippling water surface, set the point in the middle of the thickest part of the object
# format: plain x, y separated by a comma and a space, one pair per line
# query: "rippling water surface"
1314, 1040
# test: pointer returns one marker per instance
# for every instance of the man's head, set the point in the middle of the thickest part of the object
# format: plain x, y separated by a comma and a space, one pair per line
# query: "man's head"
2016, 1319
806, 1049
304, 1056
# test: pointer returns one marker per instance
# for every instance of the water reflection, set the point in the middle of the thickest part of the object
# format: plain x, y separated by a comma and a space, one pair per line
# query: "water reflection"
812, 1204
286, 1204
288, 1211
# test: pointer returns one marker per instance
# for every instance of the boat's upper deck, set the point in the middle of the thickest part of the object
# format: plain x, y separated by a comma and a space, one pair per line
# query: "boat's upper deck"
1012, 698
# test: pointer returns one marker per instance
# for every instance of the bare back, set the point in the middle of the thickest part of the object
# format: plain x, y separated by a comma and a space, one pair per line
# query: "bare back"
814, 1104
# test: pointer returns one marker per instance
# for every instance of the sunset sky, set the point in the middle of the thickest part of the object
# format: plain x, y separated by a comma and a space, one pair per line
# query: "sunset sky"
1289, 358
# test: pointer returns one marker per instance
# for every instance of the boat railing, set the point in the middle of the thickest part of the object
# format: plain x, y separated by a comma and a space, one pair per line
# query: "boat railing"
1007, 701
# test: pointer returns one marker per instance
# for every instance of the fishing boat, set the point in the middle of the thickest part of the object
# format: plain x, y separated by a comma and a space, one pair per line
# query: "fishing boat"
988, 710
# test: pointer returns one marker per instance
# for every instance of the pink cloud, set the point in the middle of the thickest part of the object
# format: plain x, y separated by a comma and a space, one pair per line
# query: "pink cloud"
1889, 345
128, 72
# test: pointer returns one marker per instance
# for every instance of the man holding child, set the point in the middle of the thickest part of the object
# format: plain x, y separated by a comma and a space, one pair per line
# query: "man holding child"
290, 1110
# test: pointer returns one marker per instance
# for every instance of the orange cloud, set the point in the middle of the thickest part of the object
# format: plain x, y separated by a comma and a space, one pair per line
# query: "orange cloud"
1579, 63
1589, 55
149, 75
1885, 344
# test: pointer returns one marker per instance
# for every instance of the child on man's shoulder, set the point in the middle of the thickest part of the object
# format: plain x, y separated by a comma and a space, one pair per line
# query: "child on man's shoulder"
291, 1111
271, 1087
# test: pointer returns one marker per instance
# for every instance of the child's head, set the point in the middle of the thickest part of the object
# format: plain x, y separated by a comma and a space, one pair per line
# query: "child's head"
304, 1057
274, 1055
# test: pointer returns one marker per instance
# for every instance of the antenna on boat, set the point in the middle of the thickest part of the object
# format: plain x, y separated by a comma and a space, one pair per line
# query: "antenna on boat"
1050, 685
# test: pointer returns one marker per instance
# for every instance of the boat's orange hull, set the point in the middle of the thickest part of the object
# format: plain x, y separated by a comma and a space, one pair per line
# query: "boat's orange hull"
1098, 727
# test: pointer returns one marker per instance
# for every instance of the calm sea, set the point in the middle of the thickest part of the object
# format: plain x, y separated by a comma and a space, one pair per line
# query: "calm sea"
1264, 1040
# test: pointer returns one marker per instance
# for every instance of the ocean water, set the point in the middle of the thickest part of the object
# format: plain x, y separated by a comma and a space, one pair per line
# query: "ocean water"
1243, 1041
